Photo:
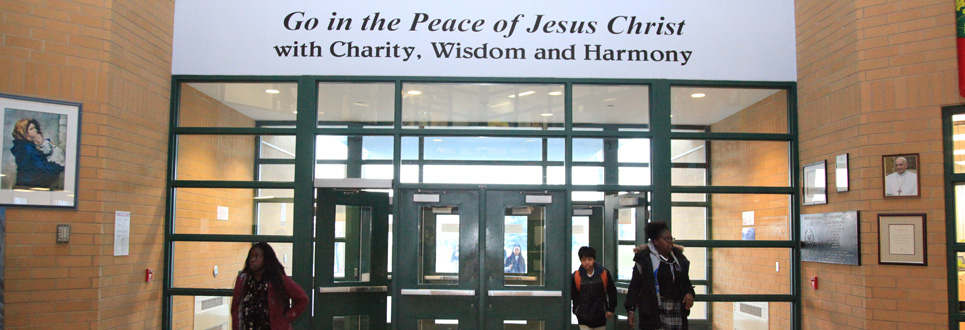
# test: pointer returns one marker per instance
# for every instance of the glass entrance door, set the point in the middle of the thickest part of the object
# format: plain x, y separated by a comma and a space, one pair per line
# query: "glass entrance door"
624, 219
351, 235
480, 259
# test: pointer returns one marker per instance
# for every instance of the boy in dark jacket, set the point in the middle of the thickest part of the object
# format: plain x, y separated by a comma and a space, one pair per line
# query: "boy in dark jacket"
593, 293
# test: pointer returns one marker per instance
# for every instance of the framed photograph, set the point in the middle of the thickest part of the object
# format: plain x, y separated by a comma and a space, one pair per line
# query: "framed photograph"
900, 175
815, 183
841, 176
39, 146
901, 239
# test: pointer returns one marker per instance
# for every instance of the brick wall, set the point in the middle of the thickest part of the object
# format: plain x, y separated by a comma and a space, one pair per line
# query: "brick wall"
115, 59
872, 76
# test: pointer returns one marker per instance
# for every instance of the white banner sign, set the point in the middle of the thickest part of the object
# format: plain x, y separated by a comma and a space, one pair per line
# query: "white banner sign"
659, 39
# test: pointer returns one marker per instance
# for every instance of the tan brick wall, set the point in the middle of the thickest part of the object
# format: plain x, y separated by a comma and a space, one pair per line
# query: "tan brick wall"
872, 76
115, 59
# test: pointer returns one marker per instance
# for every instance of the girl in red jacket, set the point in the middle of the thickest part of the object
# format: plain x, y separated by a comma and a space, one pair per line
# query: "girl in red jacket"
262, 293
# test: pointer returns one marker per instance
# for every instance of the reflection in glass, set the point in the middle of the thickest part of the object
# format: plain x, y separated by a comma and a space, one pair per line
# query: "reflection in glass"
353, 243
486, 148
736, 110
235, 104
438, 324
523, 325
634, 175
503, 106
483, 174
201, 312
633, 151
354, 322
626, 224
960, 213
587, 150
689, 223
751, 315
194, 262
366, 103
734, 266
737, 163
587, 175
216, 157
377, 147
328, 147
624, 262
439, 245
611, 106
523, 245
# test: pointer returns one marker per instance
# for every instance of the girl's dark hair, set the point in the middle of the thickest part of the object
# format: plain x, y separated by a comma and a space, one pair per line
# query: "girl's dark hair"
273, 269
654, 229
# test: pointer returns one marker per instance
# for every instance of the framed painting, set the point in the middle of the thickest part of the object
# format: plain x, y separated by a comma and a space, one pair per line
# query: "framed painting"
900, 175
815, 184
39, 149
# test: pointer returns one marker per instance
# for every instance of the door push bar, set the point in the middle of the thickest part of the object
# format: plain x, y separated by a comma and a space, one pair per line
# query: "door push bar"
523, 293
437, 292
353, 289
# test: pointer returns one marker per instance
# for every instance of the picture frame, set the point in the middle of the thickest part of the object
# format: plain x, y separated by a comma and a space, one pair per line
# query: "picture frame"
815, 188
841, 175
900, 181
901, 239
39, 151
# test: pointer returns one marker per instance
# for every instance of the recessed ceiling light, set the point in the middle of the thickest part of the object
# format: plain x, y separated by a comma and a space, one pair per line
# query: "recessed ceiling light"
556, 93
295, 112
526, 93
609, 100
436, 140
512, 96
272, 91
361, 104
697, 95
546, 114
414, 92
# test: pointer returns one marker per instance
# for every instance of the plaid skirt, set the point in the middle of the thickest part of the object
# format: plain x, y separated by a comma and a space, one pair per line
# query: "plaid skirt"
670, 314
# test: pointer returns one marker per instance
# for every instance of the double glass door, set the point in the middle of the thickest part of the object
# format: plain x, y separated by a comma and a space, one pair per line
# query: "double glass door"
481, 259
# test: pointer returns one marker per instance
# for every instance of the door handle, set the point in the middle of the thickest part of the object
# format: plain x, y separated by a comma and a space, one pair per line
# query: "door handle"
437, 292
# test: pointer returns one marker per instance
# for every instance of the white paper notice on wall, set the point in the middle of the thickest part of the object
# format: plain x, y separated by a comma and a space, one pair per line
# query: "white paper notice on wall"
747, 218
122, 233
223, 213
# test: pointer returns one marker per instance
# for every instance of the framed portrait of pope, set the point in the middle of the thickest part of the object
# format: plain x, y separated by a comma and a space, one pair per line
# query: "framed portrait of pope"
900, 174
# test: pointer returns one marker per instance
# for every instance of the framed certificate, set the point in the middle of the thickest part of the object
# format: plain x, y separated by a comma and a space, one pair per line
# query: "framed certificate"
901, 239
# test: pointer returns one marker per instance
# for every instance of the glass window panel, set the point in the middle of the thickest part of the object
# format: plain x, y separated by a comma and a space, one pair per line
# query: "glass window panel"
235, 104
689, 223
680, 197
366, 103
624, 262
330, 171
377, 171
738, 110
502, 106
187, 312
580, 238
960, 272
196, 211
353, 232
958, 143
377, 147
634, 175
587, 196
523, 325
688, 151
555, 175
588, 150
410, 148
746, 163
626, 224
555, 150
523, 245
587, 175
353, 322
328, 147
960, 214
751, 315
725, 213
633, 150
216, 157
483, 174
276, 172
698, 262
409, 174
389, 258
688, 176
338, 270
439, 245
699, 310
277, 146
750, 270
194, 263
611, 106
439, 324
484, 148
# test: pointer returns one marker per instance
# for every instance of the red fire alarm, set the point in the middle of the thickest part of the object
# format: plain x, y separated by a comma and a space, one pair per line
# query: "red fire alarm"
148, 275
814, 282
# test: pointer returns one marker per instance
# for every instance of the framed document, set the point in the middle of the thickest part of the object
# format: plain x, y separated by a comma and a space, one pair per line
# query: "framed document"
901, 239
900, 175
815, 183
841, 176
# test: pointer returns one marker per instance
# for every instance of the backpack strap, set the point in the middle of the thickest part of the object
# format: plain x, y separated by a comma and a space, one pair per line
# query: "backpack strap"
577, 279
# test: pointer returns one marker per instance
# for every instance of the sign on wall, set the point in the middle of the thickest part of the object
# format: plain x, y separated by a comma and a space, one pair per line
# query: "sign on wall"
831, 238
705, 40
